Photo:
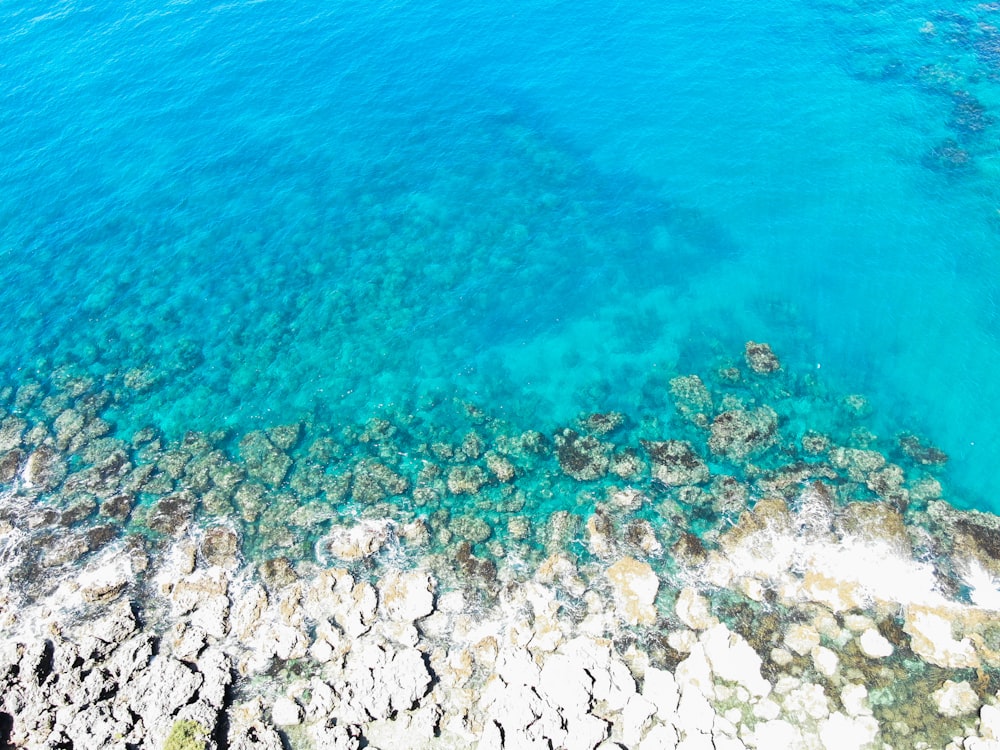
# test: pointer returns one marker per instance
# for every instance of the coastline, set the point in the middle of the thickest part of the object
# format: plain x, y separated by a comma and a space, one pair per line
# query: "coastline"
826, 597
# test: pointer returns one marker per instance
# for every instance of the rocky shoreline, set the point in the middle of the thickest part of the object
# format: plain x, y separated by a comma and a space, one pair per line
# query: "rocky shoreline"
796, 631
732, 578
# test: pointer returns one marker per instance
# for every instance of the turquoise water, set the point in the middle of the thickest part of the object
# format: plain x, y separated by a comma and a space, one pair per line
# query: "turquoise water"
249, 213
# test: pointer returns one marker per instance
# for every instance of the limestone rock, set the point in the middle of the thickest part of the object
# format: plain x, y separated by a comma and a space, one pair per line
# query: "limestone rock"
406, 597
801, 639
351, 543
693, 610
286, 712
660, 688
732, 659
384, 682
249, 731
566, 684
931, 638
840, 732
989, 722
635, 586
955, 699
875, 645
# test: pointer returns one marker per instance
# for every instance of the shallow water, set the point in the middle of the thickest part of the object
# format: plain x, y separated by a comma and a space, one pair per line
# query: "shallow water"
248, 214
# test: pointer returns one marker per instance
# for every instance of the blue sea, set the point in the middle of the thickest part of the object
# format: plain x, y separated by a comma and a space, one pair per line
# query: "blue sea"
256, 212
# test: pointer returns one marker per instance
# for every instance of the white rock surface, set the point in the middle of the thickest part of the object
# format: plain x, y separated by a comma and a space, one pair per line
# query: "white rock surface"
955, 699
840, 732
635, 586
693, 610
874, 645
286, 712
732, 659
406, 596
989, 722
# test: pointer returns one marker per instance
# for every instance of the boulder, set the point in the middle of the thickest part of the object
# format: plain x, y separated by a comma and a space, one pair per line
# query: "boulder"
635, 586
406, 597
956, 699
732, 659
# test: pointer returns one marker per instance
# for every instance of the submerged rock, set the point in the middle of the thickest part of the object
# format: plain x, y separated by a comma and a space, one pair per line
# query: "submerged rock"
761, 358
736, 434
582, 457
676, 463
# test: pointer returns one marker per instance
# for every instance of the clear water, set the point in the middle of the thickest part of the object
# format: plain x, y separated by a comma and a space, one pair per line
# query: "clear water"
327, 210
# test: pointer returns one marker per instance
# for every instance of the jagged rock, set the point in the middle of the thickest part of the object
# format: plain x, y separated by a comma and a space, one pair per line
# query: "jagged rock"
277, 572
247, 729
875, 645
166, 687
840, 732
333, 736
660, 737
660, 688
116, 626
693, 610
566, 684
989, 722
932, 638
379, 683
732, 659
104, 584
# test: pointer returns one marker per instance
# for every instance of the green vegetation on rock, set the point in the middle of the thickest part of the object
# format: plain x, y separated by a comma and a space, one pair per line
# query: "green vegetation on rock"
187, 735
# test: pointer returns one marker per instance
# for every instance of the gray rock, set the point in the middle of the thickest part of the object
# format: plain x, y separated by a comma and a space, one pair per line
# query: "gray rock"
383, 682
159, 694
100, 637
331, 736
248, 731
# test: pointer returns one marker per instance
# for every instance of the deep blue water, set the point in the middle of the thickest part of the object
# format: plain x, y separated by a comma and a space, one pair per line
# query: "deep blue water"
328, 209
